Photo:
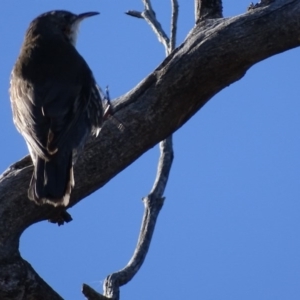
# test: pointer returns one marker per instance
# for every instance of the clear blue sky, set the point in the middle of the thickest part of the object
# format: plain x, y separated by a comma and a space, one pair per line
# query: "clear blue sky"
230, 227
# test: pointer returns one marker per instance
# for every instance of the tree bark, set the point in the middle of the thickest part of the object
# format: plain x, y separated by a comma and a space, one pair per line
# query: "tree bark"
215, 54
208, 9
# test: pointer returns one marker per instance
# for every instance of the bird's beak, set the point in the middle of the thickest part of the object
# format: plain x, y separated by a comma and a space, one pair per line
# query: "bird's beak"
74, 27
82, 16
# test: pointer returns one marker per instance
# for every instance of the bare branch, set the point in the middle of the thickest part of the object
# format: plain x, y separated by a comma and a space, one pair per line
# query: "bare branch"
208, 9
91, 294
151, 112
115, 280
134, 13
153, 204
164, 166
149, 17
197, 10
174, 19
148, 6
154, 201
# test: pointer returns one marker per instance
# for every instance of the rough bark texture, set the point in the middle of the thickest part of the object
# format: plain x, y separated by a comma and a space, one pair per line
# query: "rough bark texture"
208, 9
215, 54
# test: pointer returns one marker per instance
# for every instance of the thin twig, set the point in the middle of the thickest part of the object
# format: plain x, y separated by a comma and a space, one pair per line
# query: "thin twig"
148, 6
174, 19
154, 201
91, 294
164, 166
114, 281
134, 13
197, 10
150, 18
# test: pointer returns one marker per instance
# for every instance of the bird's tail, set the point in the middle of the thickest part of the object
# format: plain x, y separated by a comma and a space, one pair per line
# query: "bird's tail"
52, 180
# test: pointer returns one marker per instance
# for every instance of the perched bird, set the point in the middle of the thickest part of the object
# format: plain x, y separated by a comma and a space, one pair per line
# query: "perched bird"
56, 103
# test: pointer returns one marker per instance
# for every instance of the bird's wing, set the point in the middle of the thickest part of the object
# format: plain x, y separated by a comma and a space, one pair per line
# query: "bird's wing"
25, 116
63, 121
47, 114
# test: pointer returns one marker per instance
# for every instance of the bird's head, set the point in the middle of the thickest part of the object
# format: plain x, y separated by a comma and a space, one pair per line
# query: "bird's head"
61, 21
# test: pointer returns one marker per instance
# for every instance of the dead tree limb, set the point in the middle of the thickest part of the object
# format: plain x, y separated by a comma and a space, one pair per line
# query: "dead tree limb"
208, 9
154, 201
212, 57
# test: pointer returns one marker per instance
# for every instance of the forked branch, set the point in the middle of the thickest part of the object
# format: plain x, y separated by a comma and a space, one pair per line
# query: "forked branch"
214, 55
154, 201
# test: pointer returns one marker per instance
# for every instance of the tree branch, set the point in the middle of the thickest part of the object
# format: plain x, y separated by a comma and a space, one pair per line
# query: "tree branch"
213, 56
149, 16
174, 20
113, 282
153, 202
134, 13
91, 294
208, 9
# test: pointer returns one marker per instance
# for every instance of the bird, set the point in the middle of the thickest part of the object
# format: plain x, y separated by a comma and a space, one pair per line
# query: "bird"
56, 103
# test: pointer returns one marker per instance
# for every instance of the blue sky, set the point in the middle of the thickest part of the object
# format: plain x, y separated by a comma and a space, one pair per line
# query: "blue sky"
230, 225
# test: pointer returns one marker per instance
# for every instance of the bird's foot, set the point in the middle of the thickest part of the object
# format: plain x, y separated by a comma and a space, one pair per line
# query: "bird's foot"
60, 217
